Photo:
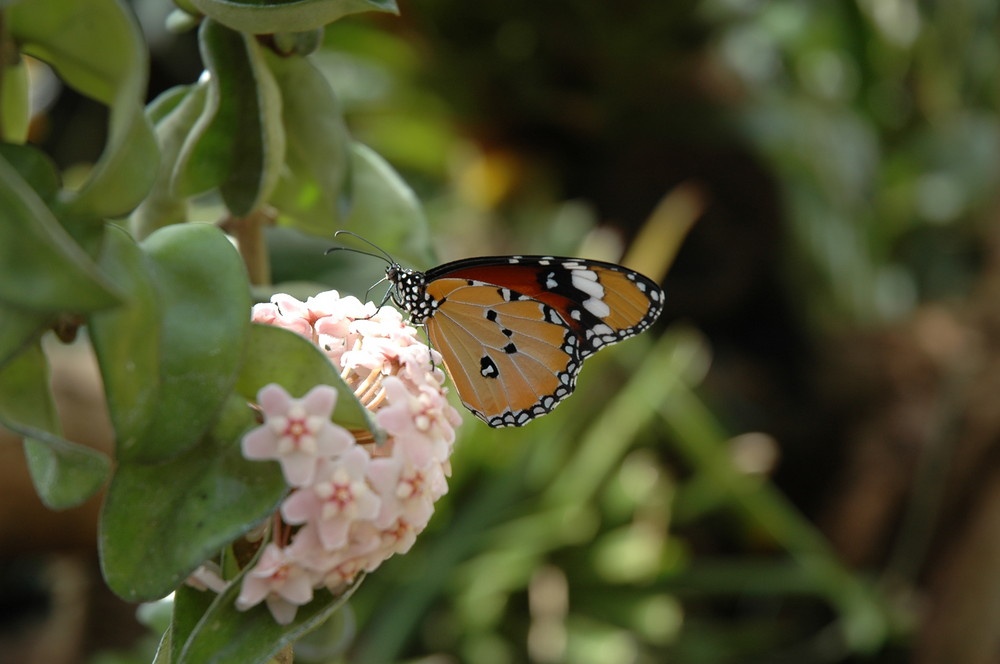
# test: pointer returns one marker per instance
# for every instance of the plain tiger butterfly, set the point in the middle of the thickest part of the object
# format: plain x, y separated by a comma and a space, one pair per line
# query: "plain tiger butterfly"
514, 330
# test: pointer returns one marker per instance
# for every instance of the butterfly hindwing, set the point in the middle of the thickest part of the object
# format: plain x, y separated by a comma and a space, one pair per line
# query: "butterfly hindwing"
512, 358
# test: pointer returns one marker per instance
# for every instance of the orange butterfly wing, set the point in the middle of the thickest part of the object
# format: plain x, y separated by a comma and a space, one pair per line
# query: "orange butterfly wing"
514, 331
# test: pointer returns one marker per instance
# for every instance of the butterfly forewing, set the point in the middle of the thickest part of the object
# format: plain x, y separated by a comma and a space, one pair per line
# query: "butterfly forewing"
602, 302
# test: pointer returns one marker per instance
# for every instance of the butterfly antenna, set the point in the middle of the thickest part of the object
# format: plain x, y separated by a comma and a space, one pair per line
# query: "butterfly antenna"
354, 251
384, 254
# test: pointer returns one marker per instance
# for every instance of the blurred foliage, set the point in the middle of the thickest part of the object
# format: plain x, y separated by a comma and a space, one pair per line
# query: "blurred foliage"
849, 160
847, 155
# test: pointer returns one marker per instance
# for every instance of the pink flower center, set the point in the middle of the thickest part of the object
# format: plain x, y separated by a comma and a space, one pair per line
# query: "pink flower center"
396, 533
296, 429
337, 494
280, 575
411, 485
342, 495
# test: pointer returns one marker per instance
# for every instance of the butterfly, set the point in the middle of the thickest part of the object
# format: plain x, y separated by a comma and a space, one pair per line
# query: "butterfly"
514, 330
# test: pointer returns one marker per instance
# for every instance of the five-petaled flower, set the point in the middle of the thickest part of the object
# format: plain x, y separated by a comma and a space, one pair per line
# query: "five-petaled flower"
297, 432
278, 579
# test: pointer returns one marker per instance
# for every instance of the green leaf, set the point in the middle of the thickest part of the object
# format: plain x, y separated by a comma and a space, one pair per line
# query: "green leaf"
297, 43
36, 167
65, 474
18, 329
384, 208
310, 195
270, 16
163, 650
127, 340
15, 107
252, 637
167, 102
174, 118
97, 48
276, 355
238, 143
41, 267
202, 292
190, 605
160, 521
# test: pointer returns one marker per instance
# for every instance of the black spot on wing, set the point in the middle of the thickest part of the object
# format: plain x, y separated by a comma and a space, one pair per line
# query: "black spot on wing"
488, 368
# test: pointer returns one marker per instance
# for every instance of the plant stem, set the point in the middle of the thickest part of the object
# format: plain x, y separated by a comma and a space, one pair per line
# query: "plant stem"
249, 234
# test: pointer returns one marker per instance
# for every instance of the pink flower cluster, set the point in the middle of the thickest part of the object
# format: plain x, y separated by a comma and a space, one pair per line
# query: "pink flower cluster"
353, 503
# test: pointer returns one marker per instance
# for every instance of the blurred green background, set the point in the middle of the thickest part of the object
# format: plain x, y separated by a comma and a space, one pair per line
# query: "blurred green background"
799, 464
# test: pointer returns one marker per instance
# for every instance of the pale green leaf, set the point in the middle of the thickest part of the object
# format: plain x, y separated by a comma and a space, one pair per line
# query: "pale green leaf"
270, 16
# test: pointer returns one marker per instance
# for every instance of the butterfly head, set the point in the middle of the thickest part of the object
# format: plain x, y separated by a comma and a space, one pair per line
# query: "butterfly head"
409, 292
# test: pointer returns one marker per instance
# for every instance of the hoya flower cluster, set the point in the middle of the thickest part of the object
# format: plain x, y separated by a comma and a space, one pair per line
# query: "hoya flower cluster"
353, 503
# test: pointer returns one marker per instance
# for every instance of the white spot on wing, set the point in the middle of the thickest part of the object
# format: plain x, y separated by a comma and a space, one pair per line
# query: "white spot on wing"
586, 281
597, 307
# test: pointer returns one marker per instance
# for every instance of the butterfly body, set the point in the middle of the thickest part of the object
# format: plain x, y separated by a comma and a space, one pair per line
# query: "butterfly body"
514, 330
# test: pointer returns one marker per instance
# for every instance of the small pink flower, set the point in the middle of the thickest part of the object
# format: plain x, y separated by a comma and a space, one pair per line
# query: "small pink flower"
280, 581
407, 491
399, 536
297, 432
338, 497
307, 547
422, 421
283, 311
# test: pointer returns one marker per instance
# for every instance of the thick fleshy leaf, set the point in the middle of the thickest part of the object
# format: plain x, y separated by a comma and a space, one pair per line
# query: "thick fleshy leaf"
65, 474
174, 112
15, 106
36, 167
163, 655
189, 607
384, 209
41, 267
97, 48
160, 521
252, 637
238, 143
276, 355
206, 156
127, 340
270, 16
204, 301
311, 193
297, 43
167, 102
18, 329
